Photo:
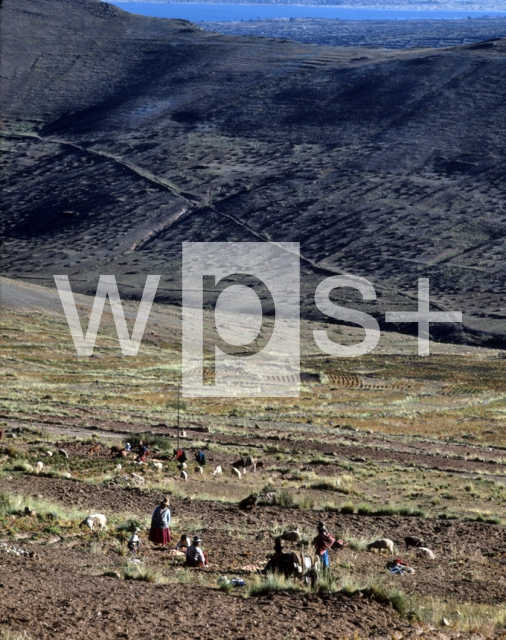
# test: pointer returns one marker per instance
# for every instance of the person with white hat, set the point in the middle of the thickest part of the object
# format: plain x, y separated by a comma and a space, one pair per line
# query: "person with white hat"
195, 557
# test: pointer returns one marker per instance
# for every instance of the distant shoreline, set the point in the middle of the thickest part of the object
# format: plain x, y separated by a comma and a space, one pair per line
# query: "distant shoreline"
423, 7
226, 12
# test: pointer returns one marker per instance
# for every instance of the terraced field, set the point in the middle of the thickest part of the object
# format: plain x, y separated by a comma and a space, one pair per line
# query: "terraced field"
374, 447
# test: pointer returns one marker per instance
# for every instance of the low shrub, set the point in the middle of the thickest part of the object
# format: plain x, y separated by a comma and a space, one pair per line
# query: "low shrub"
260, 585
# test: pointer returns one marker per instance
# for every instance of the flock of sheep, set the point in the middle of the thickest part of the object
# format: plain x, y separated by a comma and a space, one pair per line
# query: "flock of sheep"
411, 541
238, 468
98, 521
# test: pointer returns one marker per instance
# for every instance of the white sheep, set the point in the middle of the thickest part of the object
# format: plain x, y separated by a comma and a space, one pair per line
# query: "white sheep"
382, 544
425, 553
49, 454
158, 466
184, 476
66, 474
236, 472
39, 466
199, 470
63, 453
95, 521
218, 471
182, 466
118, 468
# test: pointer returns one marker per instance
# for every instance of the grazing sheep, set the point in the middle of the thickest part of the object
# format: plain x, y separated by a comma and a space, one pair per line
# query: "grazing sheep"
49, 454
158, 466
199, 470
183, 476
63, 453
66, 474
29, 468
236, 472
291, 536
423, 552
248, 503
413, 541
382, 544
182, 466
38, 467
218, 471
117, 468
95, 521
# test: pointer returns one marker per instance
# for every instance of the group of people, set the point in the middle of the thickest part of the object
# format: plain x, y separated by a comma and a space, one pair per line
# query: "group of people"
159, 534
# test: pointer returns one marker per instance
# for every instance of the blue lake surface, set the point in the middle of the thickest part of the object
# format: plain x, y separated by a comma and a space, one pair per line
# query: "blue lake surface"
236, 12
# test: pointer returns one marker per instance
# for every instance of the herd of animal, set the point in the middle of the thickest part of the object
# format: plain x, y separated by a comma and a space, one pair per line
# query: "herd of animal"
300, 563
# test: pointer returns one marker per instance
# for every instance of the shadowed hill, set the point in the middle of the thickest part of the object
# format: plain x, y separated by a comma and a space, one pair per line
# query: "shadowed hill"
128, 135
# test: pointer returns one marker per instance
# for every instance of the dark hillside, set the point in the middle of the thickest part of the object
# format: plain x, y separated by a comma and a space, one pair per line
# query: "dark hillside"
126, 135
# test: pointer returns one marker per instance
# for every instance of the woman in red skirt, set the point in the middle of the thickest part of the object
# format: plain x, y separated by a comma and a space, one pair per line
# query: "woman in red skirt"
160, 524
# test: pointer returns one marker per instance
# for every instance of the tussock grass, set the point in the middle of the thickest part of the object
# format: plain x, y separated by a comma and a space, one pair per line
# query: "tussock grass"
11, 504
488, 620
263, 585
143, 573
7, 634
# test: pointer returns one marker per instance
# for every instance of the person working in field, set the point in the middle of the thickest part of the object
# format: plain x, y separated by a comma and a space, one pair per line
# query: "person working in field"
142, 452
200, 457
276, 563
180, 455
184, 542
134, 543
323, 542
195, 557
160, 524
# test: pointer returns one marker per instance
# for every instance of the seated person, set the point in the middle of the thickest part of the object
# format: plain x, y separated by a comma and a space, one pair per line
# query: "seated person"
134, 544
184, 542
142, 452
195, 557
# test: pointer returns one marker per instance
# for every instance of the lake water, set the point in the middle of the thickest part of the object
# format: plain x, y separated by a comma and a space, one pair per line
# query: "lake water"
236, 12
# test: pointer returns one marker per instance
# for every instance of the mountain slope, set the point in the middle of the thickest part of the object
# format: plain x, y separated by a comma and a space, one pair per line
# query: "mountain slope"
128, 135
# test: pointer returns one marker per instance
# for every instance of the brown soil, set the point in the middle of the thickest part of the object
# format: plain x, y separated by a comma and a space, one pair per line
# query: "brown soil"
52, 600
470, 563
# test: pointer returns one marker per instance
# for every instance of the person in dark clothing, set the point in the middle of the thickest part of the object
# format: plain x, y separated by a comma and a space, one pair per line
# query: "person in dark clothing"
142, 452
200, 457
